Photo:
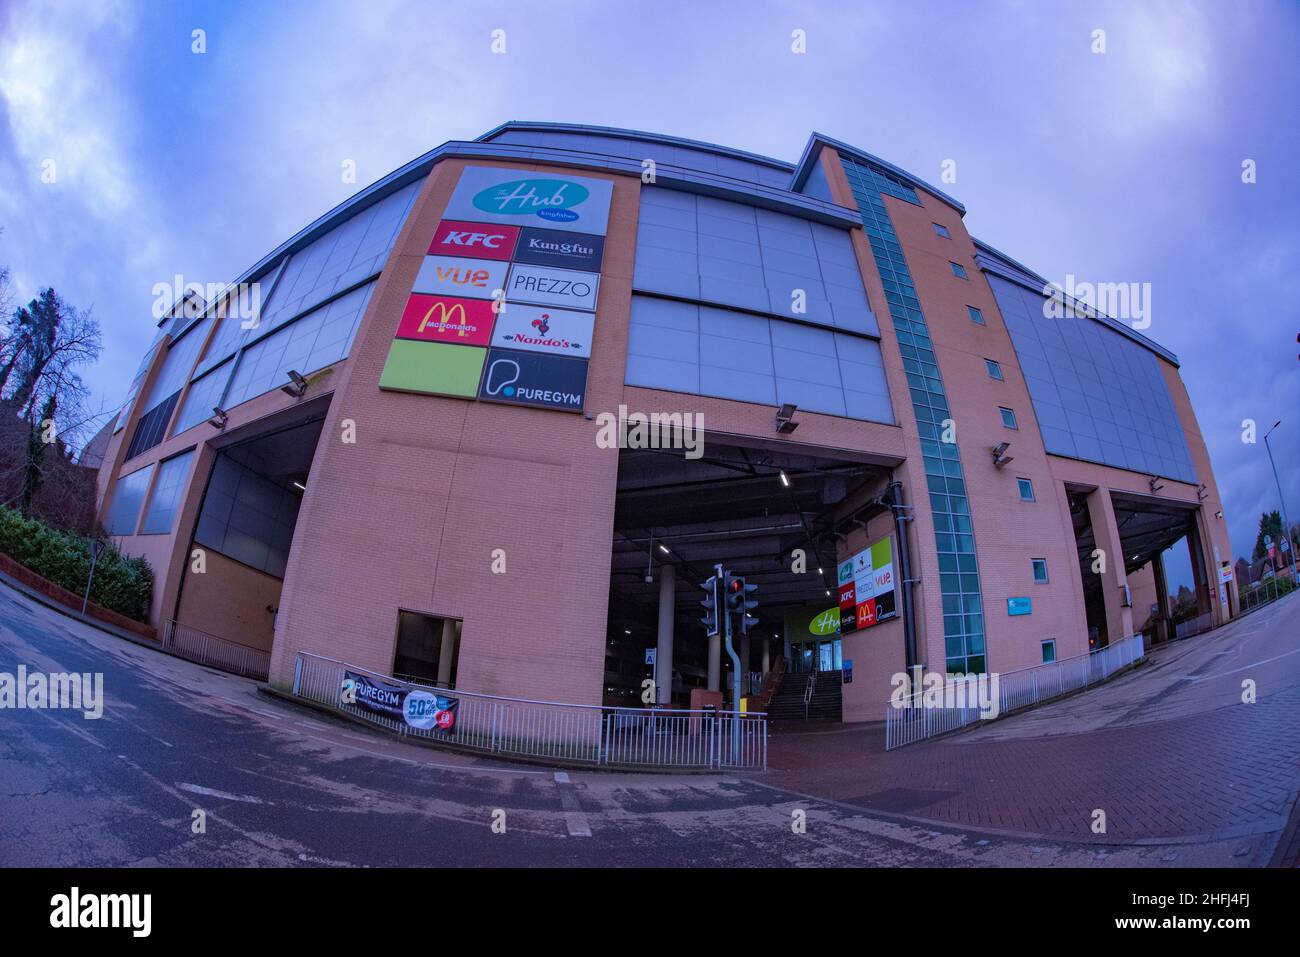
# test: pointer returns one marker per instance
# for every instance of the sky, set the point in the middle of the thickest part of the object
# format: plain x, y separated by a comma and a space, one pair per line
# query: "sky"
1117, 166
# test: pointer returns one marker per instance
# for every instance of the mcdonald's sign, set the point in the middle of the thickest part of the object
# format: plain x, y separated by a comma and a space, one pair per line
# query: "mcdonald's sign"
447, 319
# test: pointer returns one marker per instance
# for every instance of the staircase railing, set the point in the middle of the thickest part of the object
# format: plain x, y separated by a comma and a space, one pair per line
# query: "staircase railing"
808, 693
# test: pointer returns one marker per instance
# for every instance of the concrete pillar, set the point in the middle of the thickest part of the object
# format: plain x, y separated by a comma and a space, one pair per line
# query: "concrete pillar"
767, 656
1162, 597
447, 653
664, 649
715, 663
1201, 581
1105, 533
745, 659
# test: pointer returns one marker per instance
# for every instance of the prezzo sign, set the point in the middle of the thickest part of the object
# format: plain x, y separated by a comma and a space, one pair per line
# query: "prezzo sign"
552, 287
528, 378
524, 198
483, 240
550, 247
452, 276
543, 329
447, 319
867, 585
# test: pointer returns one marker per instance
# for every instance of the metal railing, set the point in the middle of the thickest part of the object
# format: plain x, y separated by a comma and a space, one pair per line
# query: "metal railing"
593, 735
808, 692
1194, 626
1264, 593
221, 653
915, 721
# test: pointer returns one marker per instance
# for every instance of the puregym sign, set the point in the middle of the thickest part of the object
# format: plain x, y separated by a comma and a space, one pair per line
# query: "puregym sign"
575, 203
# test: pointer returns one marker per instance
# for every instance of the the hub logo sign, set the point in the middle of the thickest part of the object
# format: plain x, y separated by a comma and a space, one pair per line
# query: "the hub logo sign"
481, 240
451, 276
517, 197
552, 287
552, 247
530, 378
559, 332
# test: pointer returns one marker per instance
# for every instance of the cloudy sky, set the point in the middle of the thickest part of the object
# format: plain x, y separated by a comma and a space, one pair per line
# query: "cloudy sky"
1122, 166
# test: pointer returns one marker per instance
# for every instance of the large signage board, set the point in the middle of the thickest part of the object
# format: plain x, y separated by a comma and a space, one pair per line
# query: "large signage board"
542, 199
867, 587
502, 309
424, 710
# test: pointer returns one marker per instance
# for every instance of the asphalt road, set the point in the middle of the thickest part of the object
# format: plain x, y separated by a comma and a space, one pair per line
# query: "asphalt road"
278, 786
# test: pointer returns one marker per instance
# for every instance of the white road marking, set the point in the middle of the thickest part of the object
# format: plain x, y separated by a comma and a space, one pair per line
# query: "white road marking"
1253, 664
423, 764
225, 795
574, 820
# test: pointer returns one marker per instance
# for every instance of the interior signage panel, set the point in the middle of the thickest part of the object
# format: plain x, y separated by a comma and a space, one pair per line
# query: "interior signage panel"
560, 332
547, 286
452, 276
531, 198
466, 322
530, 378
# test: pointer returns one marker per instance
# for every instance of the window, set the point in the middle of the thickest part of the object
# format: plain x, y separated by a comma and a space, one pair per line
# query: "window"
127, 499
1026, 489
958, 270
1049, 650
1040, 570
942, 231
166, 496
1008, 418
995, 370
975, 315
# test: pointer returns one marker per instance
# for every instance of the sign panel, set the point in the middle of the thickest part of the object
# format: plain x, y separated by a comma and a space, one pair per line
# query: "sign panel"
553, 247
467, 322
480, 240
531, 198
451, 276
429, 711
547, 286
1225, 573
1020, 606
560, 332
420, 709
434, 368
529, 378
867, 587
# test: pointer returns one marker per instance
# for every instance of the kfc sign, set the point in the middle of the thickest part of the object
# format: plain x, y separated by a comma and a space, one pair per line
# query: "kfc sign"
482, 240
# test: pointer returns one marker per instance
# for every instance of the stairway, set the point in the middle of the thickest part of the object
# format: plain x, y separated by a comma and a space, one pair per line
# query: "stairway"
787, 703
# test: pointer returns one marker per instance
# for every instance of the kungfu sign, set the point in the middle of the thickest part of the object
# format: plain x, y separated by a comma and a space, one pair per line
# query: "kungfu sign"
867, 587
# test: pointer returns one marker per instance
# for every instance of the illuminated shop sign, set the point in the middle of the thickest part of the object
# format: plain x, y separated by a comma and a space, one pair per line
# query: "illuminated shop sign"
552, 247
867, 587
450, 276
546, 286
529, 378
544, 329
517, 197
481, 240
466, 322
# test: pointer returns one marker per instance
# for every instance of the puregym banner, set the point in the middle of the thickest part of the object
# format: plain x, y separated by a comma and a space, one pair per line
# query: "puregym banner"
418, 708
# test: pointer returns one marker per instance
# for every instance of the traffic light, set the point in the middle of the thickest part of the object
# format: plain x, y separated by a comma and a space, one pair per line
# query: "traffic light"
738, 601
711, 620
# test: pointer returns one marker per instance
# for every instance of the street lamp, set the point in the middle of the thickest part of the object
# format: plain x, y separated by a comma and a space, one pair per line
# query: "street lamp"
1286, 522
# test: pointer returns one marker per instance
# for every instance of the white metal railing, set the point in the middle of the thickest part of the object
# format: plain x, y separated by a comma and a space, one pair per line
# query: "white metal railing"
571, 733
222, 653
1194, 626
914, 721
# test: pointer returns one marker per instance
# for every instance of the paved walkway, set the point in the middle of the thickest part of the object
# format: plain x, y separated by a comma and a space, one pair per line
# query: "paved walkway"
1169, 753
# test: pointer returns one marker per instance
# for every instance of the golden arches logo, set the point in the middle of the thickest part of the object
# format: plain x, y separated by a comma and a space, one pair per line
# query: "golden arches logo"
443, 318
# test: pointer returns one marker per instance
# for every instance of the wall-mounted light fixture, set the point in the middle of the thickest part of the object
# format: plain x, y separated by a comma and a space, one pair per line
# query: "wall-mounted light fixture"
785, 423
1155, 484
1000, 457
219, 416
297, 386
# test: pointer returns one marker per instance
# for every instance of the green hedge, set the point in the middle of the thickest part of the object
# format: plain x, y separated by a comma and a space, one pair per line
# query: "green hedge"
122, 584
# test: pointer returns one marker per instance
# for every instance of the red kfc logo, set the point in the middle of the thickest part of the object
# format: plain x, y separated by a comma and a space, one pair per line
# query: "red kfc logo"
476, 240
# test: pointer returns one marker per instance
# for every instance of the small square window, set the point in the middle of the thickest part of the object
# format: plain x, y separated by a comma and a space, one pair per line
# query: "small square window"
958, 270
995, 370
1049, 650
1008, 418
1026, 489
975, 315
1040, 570
942, 231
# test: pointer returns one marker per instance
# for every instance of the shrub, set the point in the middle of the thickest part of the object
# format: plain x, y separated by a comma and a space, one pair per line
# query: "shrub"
122, 584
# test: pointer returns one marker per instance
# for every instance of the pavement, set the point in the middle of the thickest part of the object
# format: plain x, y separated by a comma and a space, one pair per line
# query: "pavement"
1187, 775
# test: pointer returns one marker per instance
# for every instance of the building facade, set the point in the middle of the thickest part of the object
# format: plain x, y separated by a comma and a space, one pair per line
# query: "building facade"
389, 442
